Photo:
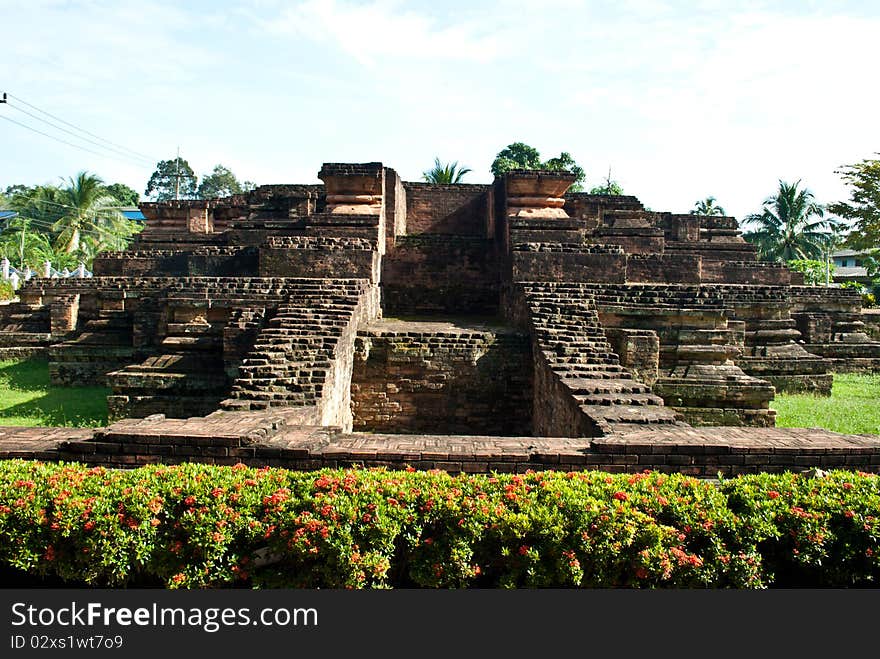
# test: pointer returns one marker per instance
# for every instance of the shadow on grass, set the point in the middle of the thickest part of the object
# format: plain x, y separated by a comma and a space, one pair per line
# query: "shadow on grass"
25, 375
49, 406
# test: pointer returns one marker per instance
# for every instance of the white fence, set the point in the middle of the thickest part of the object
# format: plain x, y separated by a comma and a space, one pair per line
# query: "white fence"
17, 277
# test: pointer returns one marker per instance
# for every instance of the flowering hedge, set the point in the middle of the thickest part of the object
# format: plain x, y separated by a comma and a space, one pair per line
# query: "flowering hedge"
203, 526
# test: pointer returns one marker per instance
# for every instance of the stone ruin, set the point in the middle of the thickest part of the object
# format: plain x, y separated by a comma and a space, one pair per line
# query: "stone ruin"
465, 327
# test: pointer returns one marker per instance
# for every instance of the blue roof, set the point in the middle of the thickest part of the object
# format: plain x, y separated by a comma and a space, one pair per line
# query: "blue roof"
134, 215
6, 214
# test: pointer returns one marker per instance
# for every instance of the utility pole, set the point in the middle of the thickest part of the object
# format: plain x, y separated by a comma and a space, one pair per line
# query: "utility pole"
3, 98
177, 176
828, 264
21, 249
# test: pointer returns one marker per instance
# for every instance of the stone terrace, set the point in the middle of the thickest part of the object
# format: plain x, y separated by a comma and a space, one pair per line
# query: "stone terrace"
273, 439
613, 328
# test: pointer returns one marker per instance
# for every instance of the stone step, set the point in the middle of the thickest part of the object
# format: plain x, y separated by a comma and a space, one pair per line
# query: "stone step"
636, 400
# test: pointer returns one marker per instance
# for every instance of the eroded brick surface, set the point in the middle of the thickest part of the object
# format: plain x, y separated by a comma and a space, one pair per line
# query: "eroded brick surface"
250, 329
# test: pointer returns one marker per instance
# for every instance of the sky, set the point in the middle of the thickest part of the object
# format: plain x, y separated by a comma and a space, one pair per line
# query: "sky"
681, 100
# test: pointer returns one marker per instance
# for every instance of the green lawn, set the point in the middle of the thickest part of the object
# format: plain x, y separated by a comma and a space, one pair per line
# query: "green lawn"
27, 399
854, 406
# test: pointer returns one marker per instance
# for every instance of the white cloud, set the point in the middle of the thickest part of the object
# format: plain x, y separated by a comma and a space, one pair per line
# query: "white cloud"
379, 29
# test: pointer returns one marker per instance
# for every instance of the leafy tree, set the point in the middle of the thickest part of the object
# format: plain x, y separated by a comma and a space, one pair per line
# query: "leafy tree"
221, 183
863, 206
24, 244
516, 156
41, 204
791, 226
125, 195
609, 187
173, 179
12, 190
448, 174
90, 222
522, 156
815, 272
707, 206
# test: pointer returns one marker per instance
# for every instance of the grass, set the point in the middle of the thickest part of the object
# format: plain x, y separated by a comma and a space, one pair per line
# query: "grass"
854, 406
27, 398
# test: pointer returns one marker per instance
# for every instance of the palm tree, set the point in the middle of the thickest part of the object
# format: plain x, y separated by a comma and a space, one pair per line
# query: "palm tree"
445, 174
23, 243
90, 220
787, 228
707, 207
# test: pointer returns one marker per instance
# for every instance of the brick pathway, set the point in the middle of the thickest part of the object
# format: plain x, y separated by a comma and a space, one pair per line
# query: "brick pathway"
277, 438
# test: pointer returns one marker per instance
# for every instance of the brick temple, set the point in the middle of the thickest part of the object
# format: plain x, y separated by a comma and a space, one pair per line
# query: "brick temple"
368, 320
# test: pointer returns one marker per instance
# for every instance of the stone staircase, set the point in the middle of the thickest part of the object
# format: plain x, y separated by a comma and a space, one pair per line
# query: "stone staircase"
698, 347
186, 378
773, 347
24, 330
303, 356
575, 361
104, 345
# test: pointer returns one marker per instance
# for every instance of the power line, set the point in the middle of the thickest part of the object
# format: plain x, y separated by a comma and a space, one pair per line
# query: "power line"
58, 139
137, 159
37, 202
45, 226
82, 130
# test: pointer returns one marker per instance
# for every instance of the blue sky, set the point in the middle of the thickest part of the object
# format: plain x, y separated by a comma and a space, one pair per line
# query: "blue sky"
681, 100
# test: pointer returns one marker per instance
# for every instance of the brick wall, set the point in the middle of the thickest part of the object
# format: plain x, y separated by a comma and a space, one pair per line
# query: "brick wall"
450, 381
664, 268
745, 272
395, 208
440, 274
561, 262
464, 210
324, 256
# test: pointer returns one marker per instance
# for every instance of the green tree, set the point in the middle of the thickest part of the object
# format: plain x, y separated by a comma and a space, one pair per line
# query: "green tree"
41, 204
125, 195
522, 156
815, 272
791, 226
12, 190
24, 244
446, 174
90, 221
707, 206
863, 207
609, 187
173, 179
220, 183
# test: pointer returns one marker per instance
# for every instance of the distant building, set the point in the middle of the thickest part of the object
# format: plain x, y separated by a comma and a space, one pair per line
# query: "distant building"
849, 265
133, 213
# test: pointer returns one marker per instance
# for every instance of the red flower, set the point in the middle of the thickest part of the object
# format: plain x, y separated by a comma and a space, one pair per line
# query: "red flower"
620, 496
523, 550
641, 573
847, 486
